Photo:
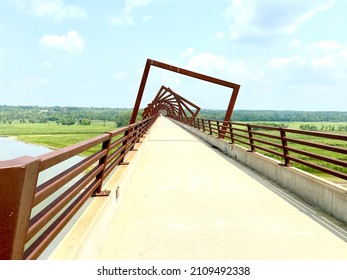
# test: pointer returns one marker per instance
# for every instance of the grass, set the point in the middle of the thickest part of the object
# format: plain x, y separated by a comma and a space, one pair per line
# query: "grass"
296, 125
314, 139
57, 136
20, 129
53, 135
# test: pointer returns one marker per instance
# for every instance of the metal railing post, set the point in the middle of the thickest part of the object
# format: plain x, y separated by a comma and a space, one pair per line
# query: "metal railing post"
209, 126
219, 134
124, 145
103, 161
250, 136
18, 179
232, 137
223, 130
284, 147
134, 137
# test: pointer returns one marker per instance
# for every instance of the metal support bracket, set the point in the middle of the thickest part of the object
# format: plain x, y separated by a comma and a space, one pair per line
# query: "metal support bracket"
102, 193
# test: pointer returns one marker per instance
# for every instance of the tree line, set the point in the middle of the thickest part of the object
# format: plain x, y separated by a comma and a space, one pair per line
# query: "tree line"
64, 115
121, 116
277, 116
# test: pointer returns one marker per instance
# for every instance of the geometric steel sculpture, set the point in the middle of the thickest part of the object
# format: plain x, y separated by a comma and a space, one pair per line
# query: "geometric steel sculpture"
169, 103
235, 87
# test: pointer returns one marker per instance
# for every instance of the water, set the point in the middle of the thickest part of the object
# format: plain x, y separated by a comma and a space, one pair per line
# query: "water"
11, 148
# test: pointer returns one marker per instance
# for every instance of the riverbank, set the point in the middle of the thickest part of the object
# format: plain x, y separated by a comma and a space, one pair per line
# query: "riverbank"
11, 148
52, 135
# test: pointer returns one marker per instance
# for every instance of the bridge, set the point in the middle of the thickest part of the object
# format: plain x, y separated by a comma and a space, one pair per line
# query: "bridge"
175, 186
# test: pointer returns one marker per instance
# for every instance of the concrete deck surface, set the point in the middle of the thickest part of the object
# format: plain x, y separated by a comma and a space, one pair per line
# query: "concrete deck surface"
186, 201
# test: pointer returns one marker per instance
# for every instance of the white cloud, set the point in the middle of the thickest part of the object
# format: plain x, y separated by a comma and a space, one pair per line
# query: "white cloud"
46, 65
126, 18
294, 60
120, 76
34, 82
147, 18
188, 52
54, 9
220, 35
319, 62
207, 62
295, 43
308, 69
240, 71
134, 4
260, 19
289, 80
278, 62
71, 42
122, 20
326, 45
168, 79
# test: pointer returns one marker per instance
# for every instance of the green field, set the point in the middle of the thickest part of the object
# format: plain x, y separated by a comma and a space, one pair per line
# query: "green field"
57, 136
53, 135
321, 127
324, 127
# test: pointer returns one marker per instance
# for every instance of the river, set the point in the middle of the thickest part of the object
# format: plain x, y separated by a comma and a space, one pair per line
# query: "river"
11, 148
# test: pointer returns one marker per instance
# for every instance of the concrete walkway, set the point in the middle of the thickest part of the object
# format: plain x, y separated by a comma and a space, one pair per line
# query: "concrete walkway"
186, 201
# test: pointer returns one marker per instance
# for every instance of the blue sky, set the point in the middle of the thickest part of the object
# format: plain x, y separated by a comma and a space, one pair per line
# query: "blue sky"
285, 54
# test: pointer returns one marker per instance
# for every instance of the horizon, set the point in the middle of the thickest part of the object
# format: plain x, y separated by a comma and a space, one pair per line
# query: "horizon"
130, 108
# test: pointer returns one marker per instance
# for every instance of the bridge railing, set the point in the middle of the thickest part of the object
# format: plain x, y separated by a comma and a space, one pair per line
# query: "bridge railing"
309, 150
32, 213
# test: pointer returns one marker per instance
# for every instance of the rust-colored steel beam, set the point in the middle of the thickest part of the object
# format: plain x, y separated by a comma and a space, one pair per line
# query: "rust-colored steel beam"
167, 98
140, 92
235, 87
18, 179
193, 74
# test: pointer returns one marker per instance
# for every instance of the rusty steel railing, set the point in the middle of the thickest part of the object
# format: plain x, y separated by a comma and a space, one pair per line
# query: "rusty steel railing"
320, 151
32, 215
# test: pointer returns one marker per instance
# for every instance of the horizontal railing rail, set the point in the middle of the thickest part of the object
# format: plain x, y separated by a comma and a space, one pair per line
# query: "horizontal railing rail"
55, 201
319, 151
